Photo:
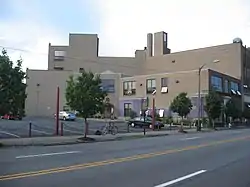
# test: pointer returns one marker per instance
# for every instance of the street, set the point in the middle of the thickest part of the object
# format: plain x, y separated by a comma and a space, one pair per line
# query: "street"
185, 160
47, 127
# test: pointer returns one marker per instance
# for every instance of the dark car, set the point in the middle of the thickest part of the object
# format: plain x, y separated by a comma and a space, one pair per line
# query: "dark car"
139, 122
11, 117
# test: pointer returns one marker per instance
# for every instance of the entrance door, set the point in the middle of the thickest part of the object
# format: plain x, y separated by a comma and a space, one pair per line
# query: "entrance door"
127, 109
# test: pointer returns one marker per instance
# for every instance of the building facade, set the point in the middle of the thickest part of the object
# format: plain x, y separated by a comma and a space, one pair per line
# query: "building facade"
130, 81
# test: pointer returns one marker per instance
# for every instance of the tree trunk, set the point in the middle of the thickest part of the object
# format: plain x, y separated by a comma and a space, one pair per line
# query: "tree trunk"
213, 123
86, 127
181, 130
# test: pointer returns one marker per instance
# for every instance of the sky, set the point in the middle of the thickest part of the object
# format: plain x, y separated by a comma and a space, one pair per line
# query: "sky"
27, 26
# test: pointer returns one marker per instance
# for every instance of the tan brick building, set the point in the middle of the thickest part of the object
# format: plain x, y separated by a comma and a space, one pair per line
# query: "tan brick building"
129, 80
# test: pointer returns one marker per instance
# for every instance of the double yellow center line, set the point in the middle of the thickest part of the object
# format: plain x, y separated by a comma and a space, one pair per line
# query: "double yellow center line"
112, 161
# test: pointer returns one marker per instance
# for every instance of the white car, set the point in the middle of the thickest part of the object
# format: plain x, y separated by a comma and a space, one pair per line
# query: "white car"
66, 116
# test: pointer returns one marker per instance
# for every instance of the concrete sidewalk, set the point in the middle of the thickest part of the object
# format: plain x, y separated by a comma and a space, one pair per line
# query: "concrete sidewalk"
64, 140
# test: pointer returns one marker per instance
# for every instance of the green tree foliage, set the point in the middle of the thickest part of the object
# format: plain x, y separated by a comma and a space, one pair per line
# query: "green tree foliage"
233, 108
246, 113
213, 106
181, 105
84, 94
12, 87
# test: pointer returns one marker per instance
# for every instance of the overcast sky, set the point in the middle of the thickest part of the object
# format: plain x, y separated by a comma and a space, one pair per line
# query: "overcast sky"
122, 25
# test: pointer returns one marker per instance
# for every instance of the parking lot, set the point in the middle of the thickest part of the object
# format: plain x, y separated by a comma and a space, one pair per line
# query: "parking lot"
47, 127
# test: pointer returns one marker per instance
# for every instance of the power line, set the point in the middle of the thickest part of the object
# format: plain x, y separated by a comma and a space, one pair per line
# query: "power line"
73, 58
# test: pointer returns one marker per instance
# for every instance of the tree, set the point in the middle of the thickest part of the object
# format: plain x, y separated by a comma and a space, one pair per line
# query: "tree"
84, 94
181, 105
233, 109
12, 87
246, 113
213, 106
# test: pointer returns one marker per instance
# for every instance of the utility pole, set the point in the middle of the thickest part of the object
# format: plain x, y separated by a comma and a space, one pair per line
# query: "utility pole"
57, 110
199, 99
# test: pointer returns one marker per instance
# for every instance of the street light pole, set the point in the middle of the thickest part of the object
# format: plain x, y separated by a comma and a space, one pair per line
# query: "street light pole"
199, 98
199, 93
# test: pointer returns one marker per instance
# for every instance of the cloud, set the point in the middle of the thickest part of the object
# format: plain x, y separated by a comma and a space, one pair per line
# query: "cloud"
29, 33
190, 24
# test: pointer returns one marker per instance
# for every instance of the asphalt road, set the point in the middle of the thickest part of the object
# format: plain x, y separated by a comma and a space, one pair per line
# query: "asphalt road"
191, 160
47, 127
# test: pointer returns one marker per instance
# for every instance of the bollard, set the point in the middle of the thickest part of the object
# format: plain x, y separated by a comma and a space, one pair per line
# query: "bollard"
144, 131
30, 124
61, 128
128, 128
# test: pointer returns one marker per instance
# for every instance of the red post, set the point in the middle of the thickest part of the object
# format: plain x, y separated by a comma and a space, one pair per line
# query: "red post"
57, 110
153, 114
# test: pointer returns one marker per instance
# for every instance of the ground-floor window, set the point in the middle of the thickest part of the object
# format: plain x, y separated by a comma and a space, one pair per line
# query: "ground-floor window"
127, 109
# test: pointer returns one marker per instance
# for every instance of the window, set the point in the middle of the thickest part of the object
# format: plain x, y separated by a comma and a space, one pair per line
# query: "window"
226, 88
234, 86
59, 55
151, 85
164, 85
216, 83
129, 88
108, 85
164, 82
127, 109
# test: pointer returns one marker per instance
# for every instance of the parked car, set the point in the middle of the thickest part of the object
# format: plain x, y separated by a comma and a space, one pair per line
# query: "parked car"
11, 117
139, 122
66, 116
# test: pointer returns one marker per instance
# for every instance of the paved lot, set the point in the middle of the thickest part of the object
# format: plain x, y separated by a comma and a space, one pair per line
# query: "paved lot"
47, 127
188, 160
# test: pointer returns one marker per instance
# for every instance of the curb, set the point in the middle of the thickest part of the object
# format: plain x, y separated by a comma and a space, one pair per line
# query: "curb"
121, 138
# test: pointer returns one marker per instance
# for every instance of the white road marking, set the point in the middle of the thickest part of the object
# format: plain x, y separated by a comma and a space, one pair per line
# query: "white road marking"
10, 134
181, 179
47, 154
43, 132
191, 138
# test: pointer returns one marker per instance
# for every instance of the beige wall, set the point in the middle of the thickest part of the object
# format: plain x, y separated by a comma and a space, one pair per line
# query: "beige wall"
41, 100
229, 57
82, 52
188, 82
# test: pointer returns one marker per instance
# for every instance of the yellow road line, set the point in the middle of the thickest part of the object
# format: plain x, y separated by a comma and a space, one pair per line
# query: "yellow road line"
112, 161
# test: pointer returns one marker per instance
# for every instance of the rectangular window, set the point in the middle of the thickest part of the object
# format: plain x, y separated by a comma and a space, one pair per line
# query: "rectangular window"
226, 87
216, 83
234, 86
127, 109
164, 82
151, 85
129, 88
59, 55
108, 85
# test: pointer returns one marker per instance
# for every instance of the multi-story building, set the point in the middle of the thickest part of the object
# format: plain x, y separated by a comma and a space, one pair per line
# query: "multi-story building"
131, 80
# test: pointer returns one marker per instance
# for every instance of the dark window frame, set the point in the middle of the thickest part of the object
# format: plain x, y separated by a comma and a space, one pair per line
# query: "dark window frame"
214, 83
129, 86
127, 109
149, 86
164, 82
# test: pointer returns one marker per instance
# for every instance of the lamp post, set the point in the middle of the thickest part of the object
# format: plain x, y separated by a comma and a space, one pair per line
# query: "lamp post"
199, 93
153, 108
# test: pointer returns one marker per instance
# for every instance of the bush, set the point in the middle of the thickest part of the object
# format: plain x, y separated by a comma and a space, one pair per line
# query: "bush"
167, 120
